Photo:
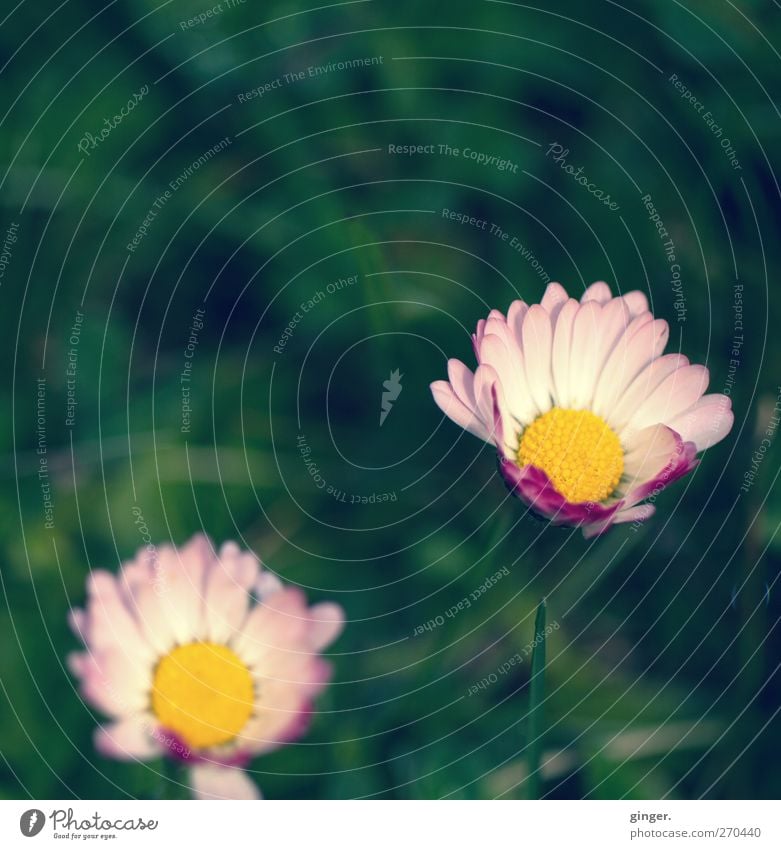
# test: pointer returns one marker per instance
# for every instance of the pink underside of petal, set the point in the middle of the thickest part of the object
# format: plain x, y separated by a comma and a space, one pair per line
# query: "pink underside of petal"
639, 513
683, 462
535, 489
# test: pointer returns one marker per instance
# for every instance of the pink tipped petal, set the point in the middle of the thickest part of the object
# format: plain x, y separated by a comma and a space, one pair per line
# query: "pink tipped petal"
153, 614
477, 337
595, 529
508, 366
462, 381
455, 410
599, 292
642, 386
276, 726
128, 740
553, 300
496, 354
76, 661
209, 781
631, 514
78, 621
227, 594
281, 623
181, 587
115, 681
615, 321
499, 327
505, 431
267, 584
677, 392
229, 550
657, 457
111, 622
485, 378
560, 353
515, 317
649, 451
643, 341
707, 422
537, 342
327, 622
635, 514
584, 364
637, 303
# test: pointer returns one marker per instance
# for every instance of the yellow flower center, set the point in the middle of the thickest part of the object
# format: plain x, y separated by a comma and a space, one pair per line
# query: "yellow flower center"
577, 450
203, 693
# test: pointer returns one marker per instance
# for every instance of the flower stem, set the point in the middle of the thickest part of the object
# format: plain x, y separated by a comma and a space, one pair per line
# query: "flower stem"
536, 705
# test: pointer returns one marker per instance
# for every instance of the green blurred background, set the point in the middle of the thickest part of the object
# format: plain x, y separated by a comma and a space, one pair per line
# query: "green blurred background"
663, 670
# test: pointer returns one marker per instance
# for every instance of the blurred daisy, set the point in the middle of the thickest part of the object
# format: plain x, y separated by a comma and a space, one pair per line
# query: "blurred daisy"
203, 657
590, 418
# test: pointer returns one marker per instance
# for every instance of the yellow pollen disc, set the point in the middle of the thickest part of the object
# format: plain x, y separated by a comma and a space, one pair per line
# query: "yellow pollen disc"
203, 693
577, 450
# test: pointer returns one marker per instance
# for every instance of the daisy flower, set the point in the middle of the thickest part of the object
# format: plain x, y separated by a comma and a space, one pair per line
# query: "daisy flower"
589, 416
202, 657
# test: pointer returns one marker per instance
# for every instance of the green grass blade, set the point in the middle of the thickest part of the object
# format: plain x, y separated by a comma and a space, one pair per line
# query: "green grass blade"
536, 709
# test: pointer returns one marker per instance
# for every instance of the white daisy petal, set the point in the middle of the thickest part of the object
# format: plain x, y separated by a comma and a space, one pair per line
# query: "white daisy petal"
488, 390
583, 364
462, 380
211, 781
637, 303
616, 318
642, 386
562, 345
676, 393
227, 593
553, 300
537, 340
599, 292
707, 422
643, 341
456, 411
112, 619
129, 739
181, 587
515, 317
485, 377
509, 369
647, 454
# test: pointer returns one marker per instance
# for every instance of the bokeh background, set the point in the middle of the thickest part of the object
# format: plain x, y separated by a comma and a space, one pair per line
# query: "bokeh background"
662, 674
